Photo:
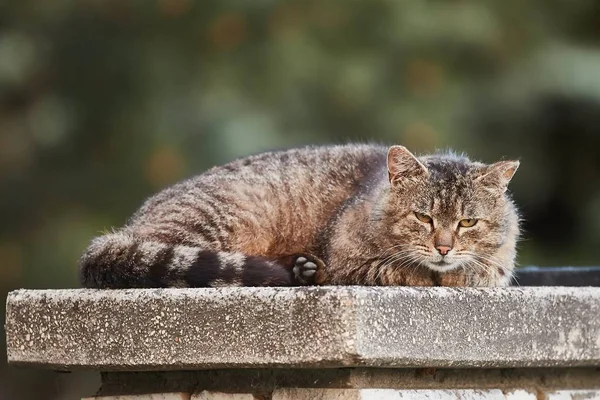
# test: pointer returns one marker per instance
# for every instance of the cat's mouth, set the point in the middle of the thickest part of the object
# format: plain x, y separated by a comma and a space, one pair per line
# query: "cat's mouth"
442, 265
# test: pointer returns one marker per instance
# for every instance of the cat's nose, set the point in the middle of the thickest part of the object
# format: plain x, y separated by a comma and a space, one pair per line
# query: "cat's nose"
443, 250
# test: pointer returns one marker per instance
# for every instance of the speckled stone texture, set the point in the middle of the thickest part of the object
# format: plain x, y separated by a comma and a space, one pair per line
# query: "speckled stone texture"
179, 329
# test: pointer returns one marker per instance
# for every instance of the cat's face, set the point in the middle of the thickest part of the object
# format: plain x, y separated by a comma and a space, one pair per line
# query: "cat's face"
445, 212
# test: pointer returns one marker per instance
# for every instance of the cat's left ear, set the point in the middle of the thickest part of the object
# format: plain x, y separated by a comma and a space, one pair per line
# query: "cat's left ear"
497, 175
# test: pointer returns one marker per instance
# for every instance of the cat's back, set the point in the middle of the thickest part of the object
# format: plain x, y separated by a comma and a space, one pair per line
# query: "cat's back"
268, 194
310, 162
319, 167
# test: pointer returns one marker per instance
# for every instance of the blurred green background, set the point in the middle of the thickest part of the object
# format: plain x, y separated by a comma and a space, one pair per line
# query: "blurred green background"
103, 102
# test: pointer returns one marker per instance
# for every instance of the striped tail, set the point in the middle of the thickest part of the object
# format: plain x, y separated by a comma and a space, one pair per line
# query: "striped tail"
120, 260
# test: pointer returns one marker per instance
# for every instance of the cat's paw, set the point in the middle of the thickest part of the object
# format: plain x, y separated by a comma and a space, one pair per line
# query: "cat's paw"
305, 269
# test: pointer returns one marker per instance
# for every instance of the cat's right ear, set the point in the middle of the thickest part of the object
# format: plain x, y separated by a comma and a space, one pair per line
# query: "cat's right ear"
403, 165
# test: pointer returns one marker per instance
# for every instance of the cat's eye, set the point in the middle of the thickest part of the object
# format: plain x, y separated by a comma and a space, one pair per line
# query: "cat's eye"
467, 223
423, 218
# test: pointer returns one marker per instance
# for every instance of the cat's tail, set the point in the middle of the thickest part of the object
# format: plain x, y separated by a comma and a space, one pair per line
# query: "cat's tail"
121, 260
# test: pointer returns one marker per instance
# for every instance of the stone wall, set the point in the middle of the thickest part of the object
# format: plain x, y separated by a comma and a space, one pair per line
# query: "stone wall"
316, 342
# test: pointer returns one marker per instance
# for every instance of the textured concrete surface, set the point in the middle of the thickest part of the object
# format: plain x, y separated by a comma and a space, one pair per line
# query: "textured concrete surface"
304, 327
487, 328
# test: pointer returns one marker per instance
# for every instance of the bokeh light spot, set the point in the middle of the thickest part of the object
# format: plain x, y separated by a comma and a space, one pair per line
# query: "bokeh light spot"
175, 8
424, 77
164, 166
11, 256
228, 31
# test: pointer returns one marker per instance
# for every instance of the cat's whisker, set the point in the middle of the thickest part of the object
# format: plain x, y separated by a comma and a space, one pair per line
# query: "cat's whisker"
470, 269
487, 259
391, 260
383, 267
494, 262
403, 251
408, 258
392, 256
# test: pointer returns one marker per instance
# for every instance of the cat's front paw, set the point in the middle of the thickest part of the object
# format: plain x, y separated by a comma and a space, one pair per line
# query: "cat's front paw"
305, 269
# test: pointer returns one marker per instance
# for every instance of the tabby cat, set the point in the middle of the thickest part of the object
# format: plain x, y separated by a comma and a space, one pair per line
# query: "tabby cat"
334, 215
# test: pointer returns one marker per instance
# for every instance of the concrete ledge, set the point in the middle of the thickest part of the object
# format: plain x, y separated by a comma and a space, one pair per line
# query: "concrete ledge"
178, 329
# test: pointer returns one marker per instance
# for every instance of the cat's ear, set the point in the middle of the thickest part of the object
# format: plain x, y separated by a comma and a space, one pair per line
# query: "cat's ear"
402, 164
497, 175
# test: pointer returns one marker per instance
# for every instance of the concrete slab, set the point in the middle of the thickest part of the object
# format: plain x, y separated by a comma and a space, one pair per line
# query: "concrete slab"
316, 327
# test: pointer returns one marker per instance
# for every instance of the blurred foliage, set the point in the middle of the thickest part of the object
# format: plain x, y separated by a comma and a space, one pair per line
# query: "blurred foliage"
103, 102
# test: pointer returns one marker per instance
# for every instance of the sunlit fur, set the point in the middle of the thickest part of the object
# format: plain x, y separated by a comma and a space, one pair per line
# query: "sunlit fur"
448, 188
350, 207
449, 195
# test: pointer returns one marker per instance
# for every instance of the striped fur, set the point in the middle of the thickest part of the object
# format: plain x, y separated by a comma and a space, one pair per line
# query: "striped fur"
341, 207
119, 260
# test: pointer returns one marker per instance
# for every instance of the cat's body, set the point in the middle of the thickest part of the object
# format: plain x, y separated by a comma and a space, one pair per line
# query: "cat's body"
349, 209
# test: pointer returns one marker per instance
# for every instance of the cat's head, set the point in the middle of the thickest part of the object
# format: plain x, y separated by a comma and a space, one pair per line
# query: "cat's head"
444, 211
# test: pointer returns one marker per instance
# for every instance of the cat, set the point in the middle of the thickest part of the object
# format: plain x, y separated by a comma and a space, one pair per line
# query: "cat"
352, 214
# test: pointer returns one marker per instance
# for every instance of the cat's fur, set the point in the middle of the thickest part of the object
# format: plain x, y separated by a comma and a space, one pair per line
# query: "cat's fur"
349, 209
